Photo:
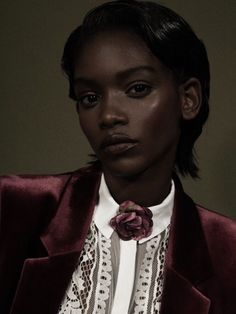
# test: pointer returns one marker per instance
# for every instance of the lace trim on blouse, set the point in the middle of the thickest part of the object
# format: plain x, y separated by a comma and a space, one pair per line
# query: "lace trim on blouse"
104, 275
148, 299
90, 289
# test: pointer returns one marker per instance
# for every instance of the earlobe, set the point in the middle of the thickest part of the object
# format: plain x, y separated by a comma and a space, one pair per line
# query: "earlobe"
191, 94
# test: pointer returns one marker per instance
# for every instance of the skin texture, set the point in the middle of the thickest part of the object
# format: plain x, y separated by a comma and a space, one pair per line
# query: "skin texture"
124, 91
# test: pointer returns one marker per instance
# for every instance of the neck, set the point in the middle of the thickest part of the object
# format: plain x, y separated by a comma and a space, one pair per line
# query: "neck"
148, 188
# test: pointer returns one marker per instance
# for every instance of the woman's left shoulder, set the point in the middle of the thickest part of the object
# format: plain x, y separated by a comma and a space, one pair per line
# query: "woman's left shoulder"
220, 235
216, 221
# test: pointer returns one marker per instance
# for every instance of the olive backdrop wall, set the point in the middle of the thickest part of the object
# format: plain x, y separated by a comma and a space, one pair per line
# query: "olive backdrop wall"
39, 130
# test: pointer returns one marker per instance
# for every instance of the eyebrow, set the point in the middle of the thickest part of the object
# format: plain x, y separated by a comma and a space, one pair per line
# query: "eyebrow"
120, 75
126, 73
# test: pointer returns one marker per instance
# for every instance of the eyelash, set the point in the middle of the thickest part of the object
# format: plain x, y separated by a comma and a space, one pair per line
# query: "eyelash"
80, 100
139, 94
145, 90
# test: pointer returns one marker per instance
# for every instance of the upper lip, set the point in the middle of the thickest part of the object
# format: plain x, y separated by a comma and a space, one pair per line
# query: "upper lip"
116, 139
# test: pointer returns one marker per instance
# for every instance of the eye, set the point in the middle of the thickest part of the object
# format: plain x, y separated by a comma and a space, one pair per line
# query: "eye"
139, 90
88, 101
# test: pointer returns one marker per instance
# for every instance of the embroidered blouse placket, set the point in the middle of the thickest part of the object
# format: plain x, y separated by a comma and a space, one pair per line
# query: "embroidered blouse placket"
125, 295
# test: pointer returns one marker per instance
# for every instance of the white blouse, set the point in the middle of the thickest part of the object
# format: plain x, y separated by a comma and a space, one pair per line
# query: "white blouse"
115, 276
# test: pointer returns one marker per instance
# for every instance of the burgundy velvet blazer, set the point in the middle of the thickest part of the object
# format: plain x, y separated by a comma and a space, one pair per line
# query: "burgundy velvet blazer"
44, 222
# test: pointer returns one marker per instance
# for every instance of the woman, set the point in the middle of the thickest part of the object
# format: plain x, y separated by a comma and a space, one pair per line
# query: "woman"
121, 236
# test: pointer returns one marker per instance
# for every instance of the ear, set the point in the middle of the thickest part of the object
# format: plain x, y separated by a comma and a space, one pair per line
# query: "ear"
191, 95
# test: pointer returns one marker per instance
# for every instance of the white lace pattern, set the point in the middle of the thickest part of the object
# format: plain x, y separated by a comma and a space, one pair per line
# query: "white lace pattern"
151, 273
81, 289
90, 290
104, 276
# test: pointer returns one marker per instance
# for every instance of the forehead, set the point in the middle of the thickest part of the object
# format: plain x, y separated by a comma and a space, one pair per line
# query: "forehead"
112, 52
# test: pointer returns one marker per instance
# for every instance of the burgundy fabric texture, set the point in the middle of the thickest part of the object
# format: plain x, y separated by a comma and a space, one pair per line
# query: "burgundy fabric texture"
44, 223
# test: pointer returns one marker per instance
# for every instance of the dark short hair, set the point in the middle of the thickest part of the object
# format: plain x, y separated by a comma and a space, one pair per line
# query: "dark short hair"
171, 40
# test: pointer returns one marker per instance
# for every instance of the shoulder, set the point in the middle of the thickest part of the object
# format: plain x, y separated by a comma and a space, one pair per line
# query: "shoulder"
213, 222
38, 185
220, 235
32, 196
30, 188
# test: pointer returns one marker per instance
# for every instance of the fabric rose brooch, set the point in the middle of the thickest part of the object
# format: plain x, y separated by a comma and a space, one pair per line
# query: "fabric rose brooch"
132, 221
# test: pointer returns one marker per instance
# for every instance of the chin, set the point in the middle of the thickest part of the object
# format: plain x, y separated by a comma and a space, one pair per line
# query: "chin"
125, 168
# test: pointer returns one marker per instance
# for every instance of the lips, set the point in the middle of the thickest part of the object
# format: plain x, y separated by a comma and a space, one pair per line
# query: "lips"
117, 144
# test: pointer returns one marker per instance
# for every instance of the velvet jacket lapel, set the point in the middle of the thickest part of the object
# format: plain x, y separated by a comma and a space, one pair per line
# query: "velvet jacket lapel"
44, 280
188, 263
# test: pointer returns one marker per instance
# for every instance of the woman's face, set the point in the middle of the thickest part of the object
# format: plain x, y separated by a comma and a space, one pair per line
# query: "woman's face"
128, 104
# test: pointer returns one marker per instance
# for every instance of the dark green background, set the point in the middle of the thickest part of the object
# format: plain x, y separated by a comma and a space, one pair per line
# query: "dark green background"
38, 123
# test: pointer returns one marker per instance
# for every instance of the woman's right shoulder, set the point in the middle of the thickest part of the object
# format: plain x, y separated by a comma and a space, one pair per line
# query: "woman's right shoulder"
38, 188
29, 200
40, 183
23, 185
29, 197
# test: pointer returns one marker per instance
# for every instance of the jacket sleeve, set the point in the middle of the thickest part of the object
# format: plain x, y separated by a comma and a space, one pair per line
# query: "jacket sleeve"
27, 203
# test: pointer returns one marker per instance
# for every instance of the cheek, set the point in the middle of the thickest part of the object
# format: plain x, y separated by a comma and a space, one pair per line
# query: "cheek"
161, 129
88, 126
161, 116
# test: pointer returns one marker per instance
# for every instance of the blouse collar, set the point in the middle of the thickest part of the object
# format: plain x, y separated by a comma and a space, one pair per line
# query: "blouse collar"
108, 208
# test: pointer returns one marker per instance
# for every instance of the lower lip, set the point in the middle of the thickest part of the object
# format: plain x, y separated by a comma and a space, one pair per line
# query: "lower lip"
120, 148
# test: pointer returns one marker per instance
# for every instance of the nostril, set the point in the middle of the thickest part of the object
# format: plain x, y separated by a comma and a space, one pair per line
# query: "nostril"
112, 120
110, 123
112, 111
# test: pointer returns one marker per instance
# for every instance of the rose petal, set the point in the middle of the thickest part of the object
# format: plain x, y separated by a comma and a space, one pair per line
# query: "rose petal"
147, 224
139, 235
128, 217
133, 221
148, 212
123, 233
126, 205
138, 208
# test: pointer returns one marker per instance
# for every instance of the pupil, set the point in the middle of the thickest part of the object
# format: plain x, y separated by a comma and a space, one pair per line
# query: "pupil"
92, 98
139, 88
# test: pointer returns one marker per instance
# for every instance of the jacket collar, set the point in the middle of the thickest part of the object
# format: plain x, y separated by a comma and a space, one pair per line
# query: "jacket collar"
69, 227
188, 252
44, 280
188, 263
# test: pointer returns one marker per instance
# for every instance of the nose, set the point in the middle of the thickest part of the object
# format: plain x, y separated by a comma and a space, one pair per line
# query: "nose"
112, 113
